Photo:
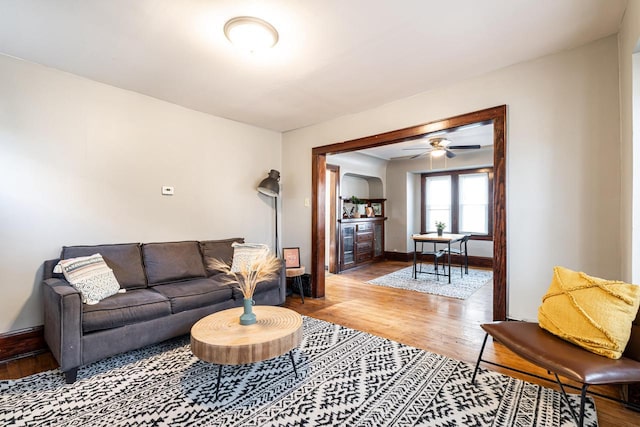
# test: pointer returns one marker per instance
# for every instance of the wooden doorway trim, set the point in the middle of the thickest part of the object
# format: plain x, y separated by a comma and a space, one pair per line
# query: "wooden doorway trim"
496, 115
334, 190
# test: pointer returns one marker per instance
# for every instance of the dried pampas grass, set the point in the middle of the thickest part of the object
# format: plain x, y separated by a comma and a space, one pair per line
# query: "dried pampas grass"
259, 269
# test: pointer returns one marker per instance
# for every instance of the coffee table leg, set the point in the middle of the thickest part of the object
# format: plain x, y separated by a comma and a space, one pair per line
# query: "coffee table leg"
218, 382
293, 362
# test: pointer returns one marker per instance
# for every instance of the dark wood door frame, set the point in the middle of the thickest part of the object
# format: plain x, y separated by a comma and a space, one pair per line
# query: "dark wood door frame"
334, 190
496, 115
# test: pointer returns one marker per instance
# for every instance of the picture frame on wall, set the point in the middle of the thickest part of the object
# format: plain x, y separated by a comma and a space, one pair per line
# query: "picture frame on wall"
291, 257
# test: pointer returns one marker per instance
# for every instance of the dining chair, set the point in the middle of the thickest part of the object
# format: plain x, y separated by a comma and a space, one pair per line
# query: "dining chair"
435, 253
462, 251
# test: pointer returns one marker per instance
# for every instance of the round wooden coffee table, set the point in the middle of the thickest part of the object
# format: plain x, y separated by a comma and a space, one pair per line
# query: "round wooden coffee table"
220, 338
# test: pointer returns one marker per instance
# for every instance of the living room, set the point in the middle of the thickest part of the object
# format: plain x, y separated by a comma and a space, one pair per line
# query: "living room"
84, 158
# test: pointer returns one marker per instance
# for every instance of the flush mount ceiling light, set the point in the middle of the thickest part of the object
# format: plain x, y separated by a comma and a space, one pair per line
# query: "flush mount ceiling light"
249, 33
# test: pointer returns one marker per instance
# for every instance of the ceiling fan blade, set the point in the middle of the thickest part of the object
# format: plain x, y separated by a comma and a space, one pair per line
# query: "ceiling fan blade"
415, 148
450, 154
464, 147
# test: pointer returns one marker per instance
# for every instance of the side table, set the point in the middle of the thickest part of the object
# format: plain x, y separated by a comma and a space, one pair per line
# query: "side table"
296, 273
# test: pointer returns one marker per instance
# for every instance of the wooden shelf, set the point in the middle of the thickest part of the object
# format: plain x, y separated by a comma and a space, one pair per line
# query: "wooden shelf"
346, 204
363, 218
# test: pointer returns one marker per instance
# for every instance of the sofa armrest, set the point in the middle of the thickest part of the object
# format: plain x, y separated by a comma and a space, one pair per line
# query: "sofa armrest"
63, 322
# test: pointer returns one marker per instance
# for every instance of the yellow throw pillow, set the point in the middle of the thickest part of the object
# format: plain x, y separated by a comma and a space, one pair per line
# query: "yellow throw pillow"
594, 313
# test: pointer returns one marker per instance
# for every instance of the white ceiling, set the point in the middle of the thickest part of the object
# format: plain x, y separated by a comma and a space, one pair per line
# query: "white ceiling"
478, 134
334, 57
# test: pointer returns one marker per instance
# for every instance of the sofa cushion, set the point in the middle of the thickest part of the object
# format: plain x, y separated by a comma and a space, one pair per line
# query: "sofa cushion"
124, 259
194, 293
91, 276
171, 261
134, 306
217, 249
244, 254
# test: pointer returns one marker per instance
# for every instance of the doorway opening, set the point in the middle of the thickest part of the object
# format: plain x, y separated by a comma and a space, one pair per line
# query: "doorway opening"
496, 116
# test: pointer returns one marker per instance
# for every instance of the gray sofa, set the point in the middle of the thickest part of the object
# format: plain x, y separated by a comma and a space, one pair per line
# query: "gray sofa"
168, 288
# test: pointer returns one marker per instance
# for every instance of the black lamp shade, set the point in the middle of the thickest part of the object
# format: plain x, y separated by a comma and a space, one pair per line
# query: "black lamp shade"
270, 186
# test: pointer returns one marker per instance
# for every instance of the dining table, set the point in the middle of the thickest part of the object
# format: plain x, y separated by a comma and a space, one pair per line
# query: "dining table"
445, 238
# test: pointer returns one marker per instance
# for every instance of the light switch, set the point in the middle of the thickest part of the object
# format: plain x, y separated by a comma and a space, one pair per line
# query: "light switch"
307, 202
167, 191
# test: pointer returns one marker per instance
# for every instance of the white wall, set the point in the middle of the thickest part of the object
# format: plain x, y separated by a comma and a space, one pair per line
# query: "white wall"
354, 186
563, 184
413, 208
629, 42
83, 163
358, 164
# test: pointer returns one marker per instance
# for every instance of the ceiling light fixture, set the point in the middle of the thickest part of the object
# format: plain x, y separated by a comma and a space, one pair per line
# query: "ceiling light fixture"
438, 152
249, 33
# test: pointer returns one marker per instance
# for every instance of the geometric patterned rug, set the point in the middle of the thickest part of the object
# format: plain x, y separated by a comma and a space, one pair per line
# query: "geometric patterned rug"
345, 377
460, 287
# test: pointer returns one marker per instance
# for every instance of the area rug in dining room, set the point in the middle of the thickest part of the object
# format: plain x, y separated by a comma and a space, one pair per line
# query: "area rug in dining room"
460, 287
345, 378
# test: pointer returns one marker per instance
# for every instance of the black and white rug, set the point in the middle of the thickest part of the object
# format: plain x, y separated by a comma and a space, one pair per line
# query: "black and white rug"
460, 287
345, 378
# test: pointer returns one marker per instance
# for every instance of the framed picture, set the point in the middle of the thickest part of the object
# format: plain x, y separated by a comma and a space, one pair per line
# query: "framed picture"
377, 209
291, 257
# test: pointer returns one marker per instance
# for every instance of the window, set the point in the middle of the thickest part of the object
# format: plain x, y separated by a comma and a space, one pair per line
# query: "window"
438, 201
473, 203
461, 199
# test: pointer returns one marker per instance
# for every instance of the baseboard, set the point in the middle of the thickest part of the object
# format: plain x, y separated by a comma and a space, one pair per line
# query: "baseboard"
398, 256
474, 261
22, 343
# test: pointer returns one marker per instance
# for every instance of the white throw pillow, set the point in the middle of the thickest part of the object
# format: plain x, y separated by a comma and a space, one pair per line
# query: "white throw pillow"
245, 253
91, 276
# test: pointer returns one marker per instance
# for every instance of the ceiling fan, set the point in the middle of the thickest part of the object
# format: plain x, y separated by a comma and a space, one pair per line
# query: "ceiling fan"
441, 147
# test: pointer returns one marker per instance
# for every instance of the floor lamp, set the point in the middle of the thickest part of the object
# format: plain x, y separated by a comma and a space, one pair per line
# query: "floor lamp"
270, 187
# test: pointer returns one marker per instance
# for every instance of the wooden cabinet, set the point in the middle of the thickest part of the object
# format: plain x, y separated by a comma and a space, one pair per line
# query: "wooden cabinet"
361, 241
378, 239
364, 241
361, 238
348, 246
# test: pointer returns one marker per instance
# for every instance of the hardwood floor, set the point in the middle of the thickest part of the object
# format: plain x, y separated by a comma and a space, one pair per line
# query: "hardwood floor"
26, 366
442, 325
